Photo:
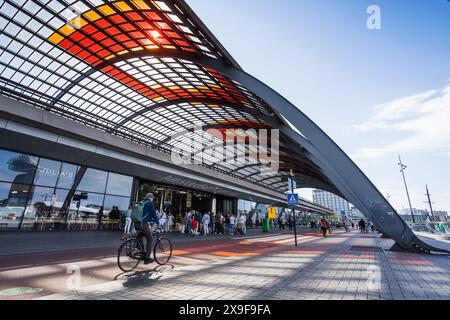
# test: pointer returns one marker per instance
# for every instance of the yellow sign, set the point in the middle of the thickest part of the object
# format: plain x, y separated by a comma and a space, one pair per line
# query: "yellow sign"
272, 213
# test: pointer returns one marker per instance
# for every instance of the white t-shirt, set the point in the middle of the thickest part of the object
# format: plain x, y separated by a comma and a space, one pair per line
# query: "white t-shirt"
232, 220
242, 219
205, 219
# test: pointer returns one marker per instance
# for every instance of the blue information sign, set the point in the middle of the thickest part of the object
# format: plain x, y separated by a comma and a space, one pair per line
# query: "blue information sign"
293, 199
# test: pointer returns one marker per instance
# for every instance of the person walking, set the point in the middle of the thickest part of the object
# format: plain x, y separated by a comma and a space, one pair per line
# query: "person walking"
227, 224
217, 223
206, 220
128, 221
242, 222
170, 223
362, 225
324, 227
99, 218
283, 221
232, 223
194, 225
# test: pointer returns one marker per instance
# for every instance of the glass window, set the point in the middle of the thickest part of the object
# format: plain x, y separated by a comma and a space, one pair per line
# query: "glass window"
67, 176
121, 202
16, 167
119, 185
47, 173
94, 181
13, 200
45, 202
88, 208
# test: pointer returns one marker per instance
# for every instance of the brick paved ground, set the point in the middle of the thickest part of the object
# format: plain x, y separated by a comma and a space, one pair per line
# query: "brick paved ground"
272, 268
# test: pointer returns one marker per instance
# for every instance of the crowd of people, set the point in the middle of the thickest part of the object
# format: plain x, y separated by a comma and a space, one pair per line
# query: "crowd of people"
196, 223
325, 226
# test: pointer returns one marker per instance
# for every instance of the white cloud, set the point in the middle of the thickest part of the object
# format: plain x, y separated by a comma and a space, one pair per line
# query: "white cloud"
422, 121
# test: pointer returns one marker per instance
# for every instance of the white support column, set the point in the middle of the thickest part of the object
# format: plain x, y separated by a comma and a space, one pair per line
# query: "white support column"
214, 206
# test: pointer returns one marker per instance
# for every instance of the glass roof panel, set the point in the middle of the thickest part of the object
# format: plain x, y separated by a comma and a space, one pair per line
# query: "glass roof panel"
94, 61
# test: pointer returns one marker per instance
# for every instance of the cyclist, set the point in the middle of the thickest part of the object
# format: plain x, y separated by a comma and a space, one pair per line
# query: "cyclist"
149, 218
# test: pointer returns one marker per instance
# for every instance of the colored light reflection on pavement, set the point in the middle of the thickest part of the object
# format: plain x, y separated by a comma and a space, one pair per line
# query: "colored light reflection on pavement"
257, 267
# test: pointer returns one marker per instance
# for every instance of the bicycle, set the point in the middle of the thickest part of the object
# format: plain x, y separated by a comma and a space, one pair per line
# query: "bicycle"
132, 252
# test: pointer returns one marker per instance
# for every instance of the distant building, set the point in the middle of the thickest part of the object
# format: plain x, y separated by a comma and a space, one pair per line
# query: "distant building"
419, 215
332, 202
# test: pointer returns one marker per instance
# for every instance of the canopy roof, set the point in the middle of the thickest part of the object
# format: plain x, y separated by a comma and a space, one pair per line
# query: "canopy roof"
128, 68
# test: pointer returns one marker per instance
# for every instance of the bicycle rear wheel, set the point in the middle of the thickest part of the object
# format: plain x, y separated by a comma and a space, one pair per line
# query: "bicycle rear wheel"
162, 251
130, 254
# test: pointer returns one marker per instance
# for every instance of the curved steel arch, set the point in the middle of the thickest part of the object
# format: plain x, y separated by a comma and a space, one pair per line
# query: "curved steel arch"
238, 108
333, 163
342, 171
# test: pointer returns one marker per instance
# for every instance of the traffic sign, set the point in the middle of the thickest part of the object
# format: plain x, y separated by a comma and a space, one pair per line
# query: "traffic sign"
293, 199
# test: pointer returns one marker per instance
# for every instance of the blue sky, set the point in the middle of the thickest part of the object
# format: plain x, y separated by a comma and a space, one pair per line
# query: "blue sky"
377, 93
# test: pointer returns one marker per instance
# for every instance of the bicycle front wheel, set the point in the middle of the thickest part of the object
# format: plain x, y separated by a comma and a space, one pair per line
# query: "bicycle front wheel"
162, 251
130, 255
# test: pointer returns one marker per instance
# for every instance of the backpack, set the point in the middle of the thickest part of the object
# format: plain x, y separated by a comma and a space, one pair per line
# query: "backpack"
137, 212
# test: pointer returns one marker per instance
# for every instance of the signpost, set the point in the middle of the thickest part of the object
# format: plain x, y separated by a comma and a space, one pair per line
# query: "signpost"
293, 200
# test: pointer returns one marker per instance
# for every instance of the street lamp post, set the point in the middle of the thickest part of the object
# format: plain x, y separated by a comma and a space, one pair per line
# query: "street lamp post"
402, 170
431, 205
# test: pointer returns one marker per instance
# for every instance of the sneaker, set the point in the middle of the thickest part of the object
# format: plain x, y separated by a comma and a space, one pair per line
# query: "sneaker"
150, 261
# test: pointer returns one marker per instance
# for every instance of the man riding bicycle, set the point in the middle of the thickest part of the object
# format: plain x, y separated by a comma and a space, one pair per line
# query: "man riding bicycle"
149, 218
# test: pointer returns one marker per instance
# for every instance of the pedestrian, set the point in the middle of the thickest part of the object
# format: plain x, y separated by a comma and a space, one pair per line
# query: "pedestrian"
162, 219
323, 227
114, 214
99, 218
194, 226
283, 221
169, 225
217, 223
362, 225
206, 220
232, 223
242, 222
328, 226
128, 220
227, 224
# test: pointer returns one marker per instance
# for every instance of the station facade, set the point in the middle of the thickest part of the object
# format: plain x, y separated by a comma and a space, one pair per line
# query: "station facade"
102, 86
39, 194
